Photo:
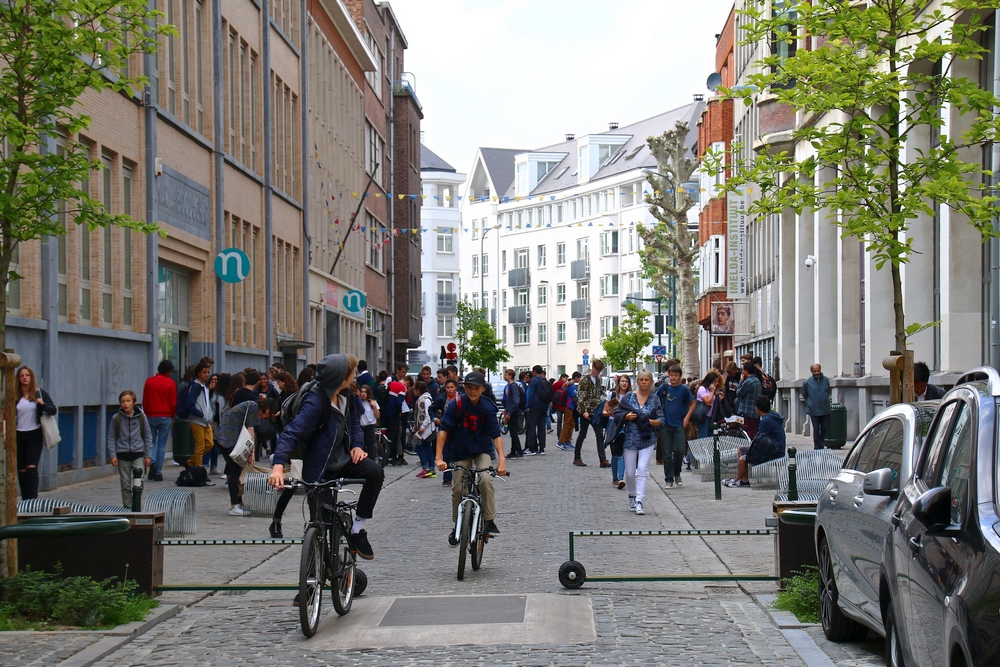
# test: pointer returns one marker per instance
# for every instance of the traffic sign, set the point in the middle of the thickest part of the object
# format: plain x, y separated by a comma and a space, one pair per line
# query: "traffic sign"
586, 352
586, 360
658, 357
232, 265
452, 347
355, 301
660, 349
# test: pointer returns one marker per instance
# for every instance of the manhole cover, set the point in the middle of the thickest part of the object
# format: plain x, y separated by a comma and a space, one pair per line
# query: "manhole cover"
455, 610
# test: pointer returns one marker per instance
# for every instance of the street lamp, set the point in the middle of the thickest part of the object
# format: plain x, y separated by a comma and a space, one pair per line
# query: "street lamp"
548, 334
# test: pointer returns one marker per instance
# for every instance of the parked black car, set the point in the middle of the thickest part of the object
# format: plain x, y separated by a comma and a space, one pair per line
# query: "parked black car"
940, 583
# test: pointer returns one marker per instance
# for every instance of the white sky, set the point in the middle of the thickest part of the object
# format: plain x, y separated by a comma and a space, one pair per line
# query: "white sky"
523, 73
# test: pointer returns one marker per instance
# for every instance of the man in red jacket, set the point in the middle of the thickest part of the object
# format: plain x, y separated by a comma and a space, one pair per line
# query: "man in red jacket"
159, 402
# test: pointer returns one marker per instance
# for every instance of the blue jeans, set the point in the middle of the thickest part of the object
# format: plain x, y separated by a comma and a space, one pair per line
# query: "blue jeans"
424, 452
705, 429
159, 431
617, 467
820, 424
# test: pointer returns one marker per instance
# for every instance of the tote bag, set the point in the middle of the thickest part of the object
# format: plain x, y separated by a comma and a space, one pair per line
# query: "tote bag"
50, 429
243, 449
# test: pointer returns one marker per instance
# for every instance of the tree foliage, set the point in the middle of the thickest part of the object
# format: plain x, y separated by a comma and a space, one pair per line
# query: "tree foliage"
478, 345
51, 53
870, 82
671, 250
625, 347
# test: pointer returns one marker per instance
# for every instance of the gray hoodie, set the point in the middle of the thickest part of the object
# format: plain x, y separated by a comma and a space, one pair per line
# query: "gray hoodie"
129, 436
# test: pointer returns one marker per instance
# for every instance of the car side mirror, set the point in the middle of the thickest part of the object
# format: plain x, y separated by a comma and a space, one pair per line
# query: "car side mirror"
933, 510
880, 483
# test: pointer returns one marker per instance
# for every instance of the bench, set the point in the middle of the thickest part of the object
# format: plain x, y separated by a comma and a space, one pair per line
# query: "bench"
178, 509
703, 451
767, 475
49, 505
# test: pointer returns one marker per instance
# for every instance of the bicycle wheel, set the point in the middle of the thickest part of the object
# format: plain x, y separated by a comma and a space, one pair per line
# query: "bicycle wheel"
463, 541
520, 424
343, 563
380, 451
311, 580
478, 542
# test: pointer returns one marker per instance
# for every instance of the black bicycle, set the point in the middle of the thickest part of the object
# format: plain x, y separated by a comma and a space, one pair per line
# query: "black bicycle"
380, 448
326, 554
517, 423
470, 527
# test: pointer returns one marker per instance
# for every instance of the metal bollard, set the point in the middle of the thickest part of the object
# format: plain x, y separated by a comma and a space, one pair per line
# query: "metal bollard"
136, 489
793, 485
717, 463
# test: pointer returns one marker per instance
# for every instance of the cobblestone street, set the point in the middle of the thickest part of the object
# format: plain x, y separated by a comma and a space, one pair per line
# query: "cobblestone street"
637, 623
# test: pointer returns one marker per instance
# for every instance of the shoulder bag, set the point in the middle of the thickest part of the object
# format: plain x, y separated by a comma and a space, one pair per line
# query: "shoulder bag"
50, 428
242, 453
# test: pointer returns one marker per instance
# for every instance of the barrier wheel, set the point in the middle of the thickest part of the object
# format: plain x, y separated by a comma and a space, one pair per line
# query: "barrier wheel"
360, 581
572, 574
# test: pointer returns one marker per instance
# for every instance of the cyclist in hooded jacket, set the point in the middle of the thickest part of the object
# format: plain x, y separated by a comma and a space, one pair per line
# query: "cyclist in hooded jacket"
328, 424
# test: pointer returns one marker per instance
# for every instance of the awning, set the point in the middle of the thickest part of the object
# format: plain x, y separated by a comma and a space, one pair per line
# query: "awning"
294, 344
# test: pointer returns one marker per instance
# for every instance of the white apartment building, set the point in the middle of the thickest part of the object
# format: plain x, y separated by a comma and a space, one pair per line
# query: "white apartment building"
550, 244
440, 224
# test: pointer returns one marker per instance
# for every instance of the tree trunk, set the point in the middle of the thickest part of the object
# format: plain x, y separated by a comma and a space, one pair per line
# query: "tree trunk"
687, 311
897, 307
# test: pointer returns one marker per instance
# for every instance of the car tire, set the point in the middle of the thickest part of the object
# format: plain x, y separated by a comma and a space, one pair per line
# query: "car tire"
836, 626
893, 647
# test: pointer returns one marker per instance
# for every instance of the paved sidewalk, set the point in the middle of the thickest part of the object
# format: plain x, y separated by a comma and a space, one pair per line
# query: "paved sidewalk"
637, 623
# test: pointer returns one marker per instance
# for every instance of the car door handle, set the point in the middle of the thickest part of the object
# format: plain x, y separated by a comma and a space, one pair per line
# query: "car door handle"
914, 545
895, 519
833, 493
858, 499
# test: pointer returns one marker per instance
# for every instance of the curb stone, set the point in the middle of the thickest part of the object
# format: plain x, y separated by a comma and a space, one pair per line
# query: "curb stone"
119, 637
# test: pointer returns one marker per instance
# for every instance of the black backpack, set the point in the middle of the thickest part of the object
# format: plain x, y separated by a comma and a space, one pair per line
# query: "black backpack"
522, 398
291, 405
196, 476
545, 393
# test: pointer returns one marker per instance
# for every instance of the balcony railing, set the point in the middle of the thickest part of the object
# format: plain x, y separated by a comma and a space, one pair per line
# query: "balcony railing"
518, 315
518, 278
580, 270
579, 309
447, 303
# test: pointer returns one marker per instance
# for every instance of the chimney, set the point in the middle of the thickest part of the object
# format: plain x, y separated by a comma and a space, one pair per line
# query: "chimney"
570, 137
421, 136
698, 97
612, 126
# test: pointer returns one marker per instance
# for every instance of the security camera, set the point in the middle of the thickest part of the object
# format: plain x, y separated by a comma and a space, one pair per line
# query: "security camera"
810, 260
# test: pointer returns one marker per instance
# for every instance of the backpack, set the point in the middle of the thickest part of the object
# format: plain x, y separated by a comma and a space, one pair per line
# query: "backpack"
196, 476
545, 391
522, 399
116, 424
560, 398
291, 405
182, 396
768, 386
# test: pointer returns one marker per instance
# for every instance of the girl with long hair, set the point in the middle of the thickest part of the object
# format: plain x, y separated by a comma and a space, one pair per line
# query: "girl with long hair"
32, 403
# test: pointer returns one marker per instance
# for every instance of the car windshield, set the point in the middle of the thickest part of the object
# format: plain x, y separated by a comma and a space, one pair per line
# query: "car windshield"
924, 415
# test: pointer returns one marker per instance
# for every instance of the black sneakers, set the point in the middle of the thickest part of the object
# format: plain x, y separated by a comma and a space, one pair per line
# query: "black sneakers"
491, 528
275, 530
452, 542
359, 541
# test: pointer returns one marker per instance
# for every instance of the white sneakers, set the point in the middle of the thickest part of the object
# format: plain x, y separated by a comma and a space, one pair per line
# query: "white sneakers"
631, 503
638, 507
239, 510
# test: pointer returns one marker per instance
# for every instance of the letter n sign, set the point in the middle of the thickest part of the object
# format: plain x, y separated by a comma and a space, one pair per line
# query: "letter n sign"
232, 265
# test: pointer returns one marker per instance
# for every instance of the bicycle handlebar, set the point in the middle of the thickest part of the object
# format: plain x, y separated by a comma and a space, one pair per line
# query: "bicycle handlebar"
491, 470
342, 481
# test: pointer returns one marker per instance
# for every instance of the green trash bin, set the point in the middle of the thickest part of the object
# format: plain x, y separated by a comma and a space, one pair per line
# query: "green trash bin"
183, 441
836, 434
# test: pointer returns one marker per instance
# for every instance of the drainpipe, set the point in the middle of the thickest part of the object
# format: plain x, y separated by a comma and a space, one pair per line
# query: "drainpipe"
152, 240
392, 200
218, 158
265, 12
993, 304
304, 107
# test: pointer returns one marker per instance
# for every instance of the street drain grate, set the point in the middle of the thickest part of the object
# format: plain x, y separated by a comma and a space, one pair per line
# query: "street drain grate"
459, 610
723, 590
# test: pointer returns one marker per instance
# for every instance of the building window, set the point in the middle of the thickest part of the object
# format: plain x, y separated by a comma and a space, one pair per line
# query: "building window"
582, 330
503, 261
199, 64
446, 326
608, 325
543, 333
374, 243
609, 243
521, 258
543, 295
559, 213
485, 265
85, 252
583, 289
62, 243
374, 79
503, 336
522, 335
373, 153
173, 55
522, 179
445, 241
504, 299
560, 254
475, 265
560, 332
583, 248
521, 297
475, 300
127, 247
541, 257
561, 293
609, 285
107, 252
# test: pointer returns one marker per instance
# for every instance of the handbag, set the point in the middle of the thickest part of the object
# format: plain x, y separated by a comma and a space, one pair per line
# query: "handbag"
700, 412
242, 452
50, 429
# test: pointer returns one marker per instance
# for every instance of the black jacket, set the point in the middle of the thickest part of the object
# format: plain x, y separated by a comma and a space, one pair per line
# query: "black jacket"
49, 408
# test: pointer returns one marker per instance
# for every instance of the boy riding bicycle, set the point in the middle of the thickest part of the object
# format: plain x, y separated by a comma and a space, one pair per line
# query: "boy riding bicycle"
328, 427
469, 425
